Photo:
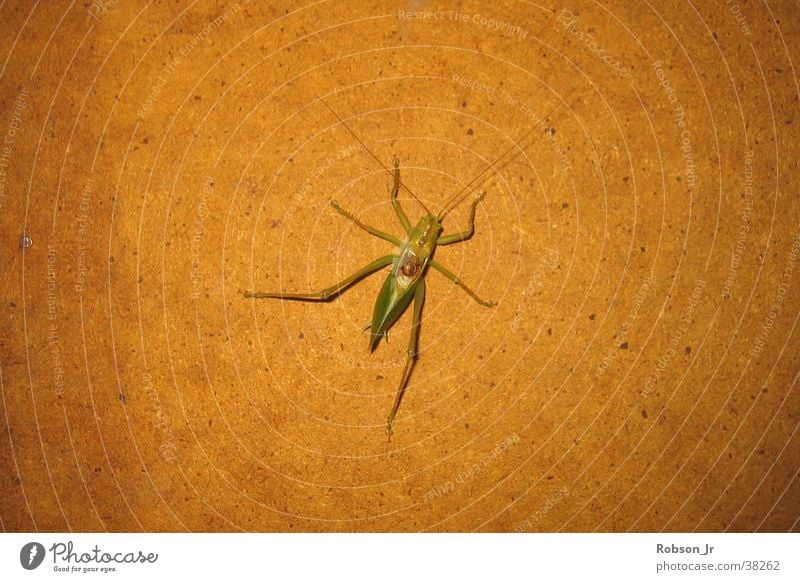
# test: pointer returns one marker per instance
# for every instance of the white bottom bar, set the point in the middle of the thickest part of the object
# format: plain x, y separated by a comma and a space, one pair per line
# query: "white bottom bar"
400, 557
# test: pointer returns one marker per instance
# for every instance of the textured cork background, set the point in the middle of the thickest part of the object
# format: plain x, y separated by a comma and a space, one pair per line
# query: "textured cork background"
640, 372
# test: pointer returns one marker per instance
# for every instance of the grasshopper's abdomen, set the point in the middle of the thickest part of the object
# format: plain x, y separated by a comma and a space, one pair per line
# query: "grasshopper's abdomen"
395, 295
407, 270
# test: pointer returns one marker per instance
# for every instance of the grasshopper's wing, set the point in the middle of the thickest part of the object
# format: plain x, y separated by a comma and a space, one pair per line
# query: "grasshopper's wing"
396, 293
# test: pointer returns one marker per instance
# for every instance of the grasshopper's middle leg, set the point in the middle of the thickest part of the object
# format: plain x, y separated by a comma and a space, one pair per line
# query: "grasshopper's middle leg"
446, 272
419, 299
330, 292
370, 229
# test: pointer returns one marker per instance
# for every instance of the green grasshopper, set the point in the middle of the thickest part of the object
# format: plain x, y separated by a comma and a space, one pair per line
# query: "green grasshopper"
406, 280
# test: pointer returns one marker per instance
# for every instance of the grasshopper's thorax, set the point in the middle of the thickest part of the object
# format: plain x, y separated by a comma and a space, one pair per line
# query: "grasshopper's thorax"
418, 248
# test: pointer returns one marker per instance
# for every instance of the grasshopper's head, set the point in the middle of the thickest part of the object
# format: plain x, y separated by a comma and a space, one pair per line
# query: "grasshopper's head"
422, 238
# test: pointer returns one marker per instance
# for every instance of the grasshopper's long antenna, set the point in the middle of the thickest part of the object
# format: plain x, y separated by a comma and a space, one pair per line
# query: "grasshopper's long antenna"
445, 210
369, 151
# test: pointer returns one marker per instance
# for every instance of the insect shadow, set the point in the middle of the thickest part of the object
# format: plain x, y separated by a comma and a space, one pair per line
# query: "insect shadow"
406, 280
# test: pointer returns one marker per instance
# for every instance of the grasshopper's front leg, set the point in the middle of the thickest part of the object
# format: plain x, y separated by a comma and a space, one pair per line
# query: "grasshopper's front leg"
419, 299
330, 292
395, 202
464, 235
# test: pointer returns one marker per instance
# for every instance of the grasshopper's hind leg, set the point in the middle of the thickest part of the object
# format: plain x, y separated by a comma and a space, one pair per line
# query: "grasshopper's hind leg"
329, 292
419, 299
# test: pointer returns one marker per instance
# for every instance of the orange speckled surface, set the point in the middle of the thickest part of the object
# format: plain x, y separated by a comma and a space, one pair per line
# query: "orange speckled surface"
640, 372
